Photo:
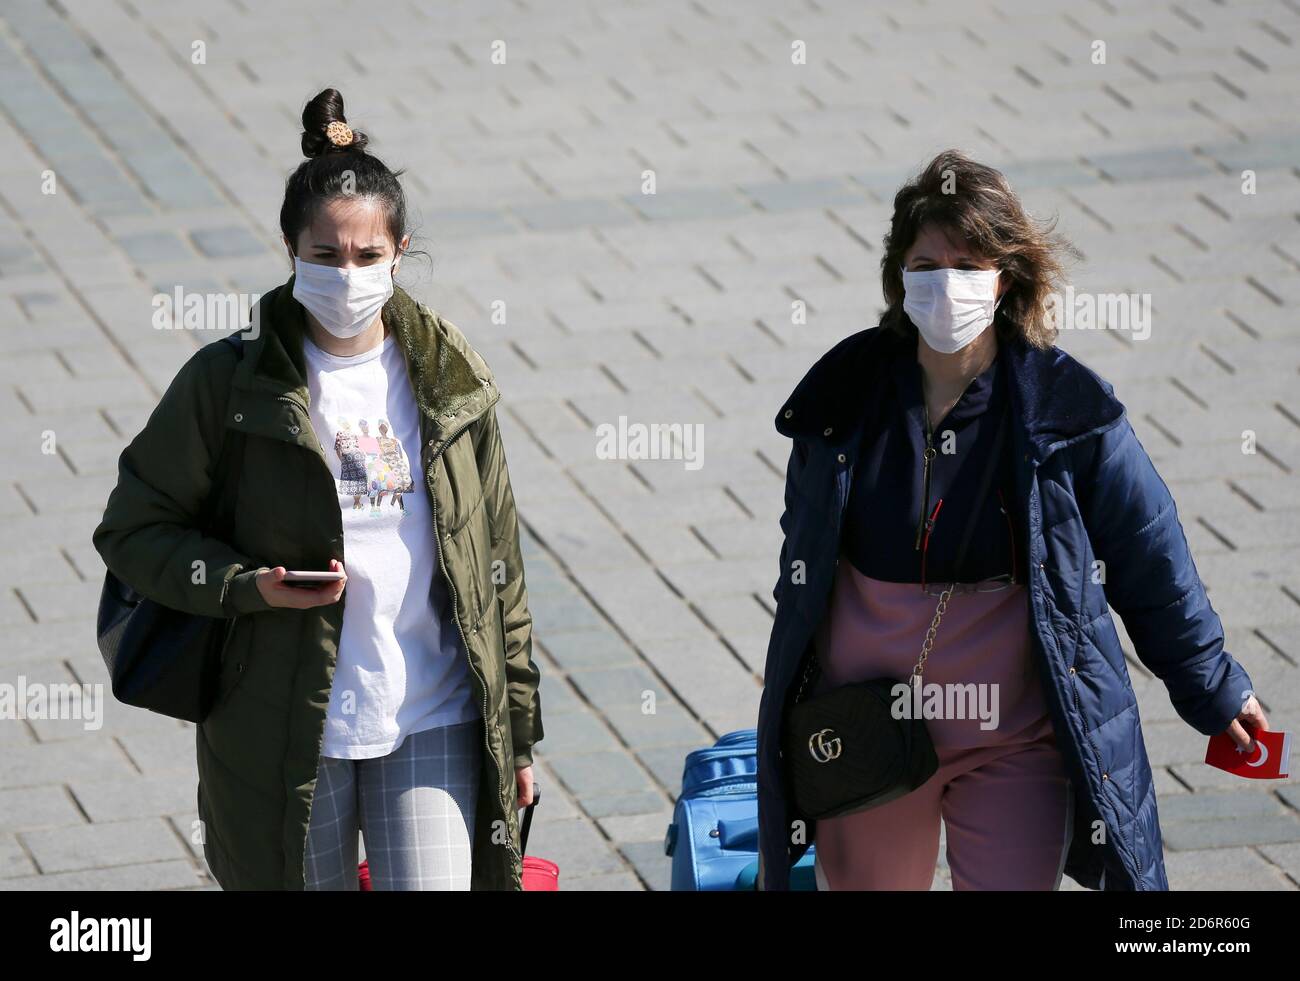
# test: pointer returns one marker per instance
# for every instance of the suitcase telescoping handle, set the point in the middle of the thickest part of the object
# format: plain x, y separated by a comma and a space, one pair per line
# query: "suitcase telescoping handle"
528, 819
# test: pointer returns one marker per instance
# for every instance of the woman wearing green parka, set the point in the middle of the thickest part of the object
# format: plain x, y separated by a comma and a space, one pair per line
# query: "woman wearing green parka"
398, 701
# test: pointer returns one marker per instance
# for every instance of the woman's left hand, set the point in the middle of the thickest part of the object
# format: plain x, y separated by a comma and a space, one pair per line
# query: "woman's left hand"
1252, 714
524, 784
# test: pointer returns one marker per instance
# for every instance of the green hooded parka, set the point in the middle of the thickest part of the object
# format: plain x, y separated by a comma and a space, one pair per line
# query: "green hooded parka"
259, 748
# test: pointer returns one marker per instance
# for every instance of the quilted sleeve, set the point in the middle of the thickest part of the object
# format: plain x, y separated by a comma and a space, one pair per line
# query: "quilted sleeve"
1151, 581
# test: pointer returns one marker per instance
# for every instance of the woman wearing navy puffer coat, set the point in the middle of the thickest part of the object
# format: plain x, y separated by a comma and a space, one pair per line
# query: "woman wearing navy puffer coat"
957, 420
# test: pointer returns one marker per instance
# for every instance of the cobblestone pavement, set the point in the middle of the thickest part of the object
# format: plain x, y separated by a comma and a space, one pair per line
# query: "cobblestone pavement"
169, 128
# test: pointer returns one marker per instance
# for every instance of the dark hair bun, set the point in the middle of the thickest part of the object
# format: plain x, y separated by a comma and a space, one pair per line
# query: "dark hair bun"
326, 108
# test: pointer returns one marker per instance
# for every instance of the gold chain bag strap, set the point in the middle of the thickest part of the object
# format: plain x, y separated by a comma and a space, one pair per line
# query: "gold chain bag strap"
844, 750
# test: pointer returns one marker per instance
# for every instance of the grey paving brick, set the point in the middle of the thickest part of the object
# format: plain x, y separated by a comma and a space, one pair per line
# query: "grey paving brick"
1290, 794
144, 877
189, 829
1162, 164
225, 243
624, 829
14, 861
85, 758
152, 247
557, 695
1189, 835
560, 617
85, 393
91, 846
456, 222
776, 196
600, 804
29, 808
1223, 869
666, 763
618, 686
651, 864
610, 882
137, 797
159, 749
572, 214
573, 733
1220, 806
576, 649
1172, 742
687, 204
1258, 153
61, 602
600, 772
1287, 860
668, 725
1047, 173
578, 848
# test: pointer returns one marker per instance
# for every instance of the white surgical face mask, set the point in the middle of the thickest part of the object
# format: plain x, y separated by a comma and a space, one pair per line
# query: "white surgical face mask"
344, 301
950, 307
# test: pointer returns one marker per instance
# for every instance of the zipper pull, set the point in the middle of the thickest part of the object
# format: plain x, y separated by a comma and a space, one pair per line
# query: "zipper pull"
926, 459
929, 522
929, 527
926, 456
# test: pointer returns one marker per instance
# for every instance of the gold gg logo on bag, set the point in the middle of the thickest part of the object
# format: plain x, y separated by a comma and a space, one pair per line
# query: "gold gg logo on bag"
824, 750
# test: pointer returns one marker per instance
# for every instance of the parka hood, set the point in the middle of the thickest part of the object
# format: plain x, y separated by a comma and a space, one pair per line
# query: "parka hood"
452, 383
1057, 399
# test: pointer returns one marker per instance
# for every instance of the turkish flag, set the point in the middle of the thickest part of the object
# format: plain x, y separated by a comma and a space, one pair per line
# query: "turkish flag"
1269, 760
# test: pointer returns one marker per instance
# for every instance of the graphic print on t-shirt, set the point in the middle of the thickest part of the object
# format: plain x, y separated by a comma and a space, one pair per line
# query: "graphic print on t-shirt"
372, 467
401, 667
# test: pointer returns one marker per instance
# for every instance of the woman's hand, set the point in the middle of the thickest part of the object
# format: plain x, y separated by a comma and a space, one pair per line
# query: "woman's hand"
1253, 716
524, 785
270, 583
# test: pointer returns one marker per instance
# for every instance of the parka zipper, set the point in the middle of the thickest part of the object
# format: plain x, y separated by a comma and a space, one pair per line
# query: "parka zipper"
923, 525
925, 546
437, 542
927, 465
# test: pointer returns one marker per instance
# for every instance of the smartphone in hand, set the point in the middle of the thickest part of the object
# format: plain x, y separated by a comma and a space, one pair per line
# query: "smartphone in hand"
310, 580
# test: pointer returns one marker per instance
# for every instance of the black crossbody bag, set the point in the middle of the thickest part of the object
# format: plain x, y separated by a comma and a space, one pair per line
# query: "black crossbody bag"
161, 659
845, 752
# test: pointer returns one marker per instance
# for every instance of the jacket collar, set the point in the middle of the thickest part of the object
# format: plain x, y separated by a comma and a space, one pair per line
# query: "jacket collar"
1057, 400
452, 384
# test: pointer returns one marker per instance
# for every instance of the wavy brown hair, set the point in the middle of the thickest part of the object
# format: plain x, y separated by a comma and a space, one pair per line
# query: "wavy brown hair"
974, 202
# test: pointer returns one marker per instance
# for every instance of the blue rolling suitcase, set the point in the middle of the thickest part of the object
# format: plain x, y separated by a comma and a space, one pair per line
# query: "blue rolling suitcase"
713, 839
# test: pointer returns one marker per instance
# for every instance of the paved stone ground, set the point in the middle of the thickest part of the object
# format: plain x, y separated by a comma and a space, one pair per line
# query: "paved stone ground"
774, 183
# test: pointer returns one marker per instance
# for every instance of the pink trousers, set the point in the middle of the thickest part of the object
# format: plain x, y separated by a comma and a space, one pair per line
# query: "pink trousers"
1001, 790
1009, 818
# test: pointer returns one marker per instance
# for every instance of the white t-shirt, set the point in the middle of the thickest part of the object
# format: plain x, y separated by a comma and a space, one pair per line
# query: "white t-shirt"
402, 667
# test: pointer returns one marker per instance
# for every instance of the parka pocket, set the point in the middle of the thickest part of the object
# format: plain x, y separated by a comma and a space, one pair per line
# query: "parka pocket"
234, 656
501, 624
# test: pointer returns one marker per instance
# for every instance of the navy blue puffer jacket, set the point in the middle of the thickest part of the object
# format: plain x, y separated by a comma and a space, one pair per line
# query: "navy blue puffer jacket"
1088, 494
